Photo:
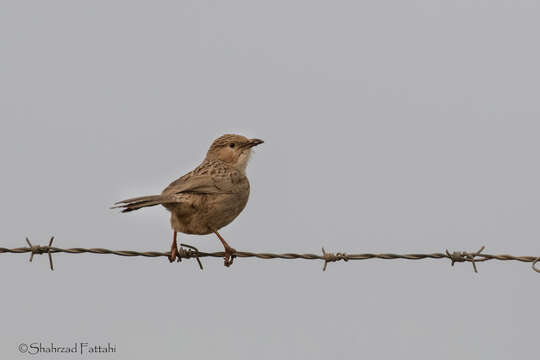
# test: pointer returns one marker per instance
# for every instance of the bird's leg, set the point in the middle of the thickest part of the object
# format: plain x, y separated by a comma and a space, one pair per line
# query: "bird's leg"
174, 249
229, 251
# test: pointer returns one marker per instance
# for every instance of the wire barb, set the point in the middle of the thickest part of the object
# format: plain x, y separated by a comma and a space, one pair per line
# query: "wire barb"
463, 256
190, 253
331, 257
41, 250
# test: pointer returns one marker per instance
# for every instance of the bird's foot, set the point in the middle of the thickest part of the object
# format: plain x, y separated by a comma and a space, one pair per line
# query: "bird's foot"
229, 256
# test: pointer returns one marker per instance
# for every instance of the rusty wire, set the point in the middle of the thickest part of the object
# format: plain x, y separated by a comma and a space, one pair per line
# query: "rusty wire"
327, 257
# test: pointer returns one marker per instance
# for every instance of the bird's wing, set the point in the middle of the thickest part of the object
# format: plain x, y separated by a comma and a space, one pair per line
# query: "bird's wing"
202, 182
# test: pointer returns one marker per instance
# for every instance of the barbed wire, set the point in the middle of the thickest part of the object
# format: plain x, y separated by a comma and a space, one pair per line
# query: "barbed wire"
190, 252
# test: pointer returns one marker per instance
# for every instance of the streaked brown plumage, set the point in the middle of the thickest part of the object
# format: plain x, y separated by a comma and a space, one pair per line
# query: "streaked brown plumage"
209, 197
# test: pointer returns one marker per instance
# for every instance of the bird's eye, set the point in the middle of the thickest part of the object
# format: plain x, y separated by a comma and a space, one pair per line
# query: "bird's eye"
232, 145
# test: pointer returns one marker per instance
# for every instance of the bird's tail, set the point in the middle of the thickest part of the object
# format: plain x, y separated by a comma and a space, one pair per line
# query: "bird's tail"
140, 202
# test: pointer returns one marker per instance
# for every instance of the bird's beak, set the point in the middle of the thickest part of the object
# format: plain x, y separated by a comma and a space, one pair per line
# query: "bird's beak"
253, 142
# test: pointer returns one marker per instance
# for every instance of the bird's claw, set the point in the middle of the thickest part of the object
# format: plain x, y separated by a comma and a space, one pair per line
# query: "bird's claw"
229, 256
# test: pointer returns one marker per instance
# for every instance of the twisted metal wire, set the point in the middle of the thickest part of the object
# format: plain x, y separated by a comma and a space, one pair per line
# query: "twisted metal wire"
327, 257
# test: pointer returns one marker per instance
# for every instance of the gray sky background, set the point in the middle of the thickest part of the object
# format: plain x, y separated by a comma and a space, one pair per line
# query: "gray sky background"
389, 126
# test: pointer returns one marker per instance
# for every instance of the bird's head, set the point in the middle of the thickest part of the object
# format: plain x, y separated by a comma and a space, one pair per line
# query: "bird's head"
232, 149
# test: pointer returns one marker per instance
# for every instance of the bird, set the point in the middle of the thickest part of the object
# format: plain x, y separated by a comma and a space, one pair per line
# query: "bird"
207, 198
